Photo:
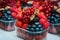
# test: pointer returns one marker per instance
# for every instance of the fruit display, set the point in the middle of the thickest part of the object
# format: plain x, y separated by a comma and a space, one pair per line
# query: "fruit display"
32, 18
54, 19
6, 20
31, 21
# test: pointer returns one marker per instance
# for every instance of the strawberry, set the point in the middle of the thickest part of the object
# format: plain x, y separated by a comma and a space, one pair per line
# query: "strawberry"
40, 15
19, 9
19, 16
42, 21
25, 26
19, 24
41, 8
18, 3
13, 9
46, 25
13, 15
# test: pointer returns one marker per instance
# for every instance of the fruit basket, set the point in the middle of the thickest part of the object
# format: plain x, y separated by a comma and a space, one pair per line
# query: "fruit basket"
32, 18
7, 25
6, 20
54, 28
27, 35
32, 28
54, 19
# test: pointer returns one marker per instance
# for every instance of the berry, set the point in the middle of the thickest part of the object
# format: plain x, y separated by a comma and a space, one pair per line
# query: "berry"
41, 15
13, 9
36, 23
41, 8
25, 26
13, 15
42, 21
8, 12
46, 25
19, 16
19, 24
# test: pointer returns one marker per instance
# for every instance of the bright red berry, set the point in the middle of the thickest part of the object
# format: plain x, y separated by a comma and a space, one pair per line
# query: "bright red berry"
42, 21
25, 26
13, 15
46, 25
13, 9
19, 24
19, 16
40, 15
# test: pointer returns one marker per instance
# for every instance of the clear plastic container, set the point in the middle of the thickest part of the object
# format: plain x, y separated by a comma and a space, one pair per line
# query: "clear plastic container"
54, 28
7, 25
27, 35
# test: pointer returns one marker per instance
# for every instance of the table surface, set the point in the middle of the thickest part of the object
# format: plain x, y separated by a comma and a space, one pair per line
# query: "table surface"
4, 35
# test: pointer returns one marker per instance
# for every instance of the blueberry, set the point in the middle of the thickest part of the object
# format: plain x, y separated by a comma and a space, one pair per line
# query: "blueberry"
29, 26
8, 12
58, 20
5, 15
36, 23
52, 17
32, 29
39, 26
41, 29
37, 29
3, 11
49, 17
48, 20
34, 26
12, 19
27, 29
9, 18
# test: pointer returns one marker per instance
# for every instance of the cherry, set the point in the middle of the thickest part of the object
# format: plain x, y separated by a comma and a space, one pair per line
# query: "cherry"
47, 11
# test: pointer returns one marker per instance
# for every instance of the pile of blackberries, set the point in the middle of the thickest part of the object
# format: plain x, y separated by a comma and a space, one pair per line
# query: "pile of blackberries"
6, 15
35, 26
54, 18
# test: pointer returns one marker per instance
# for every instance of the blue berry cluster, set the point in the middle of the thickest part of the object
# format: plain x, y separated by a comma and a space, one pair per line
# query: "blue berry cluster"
54, 18
6, 15
35, 26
